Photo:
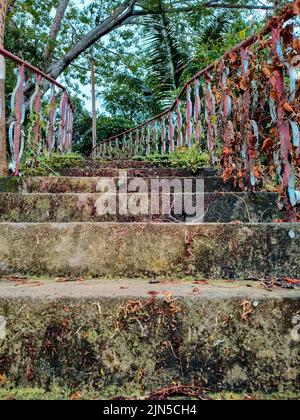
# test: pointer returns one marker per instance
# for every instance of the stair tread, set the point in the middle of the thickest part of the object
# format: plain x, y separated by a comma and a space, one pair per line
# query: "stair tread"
51, 288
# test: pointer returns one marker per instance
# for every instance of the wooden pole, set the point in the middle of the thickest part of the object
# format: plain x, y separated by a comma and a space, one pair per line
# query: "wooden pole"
94, 114
3, 152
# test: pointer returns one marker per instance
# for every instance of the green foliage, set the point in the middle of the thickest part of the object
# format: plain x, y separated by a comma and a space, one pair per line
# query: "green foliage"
46, 165
106, 127
192, 159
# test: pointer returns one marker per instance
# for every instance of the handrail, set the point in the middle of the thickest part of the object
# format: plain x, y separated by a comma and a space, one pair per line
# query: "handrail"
287, 13
244, 106
59, 122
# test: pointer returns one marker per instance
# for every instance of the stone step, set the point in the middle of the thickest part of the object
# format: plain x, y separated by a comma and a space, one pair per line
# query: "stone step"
137, 172
56, 185
129, 338
151, 250
218, 207
129, 163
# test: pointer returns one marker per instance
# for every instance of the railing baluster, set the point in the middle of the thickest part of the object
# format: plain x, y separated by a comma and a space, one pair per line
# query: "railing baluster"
16, 137
171, 133
142, 140
137, 142
50, 125
163, 135
197, 112
154, 129
148, 138
71, 126
210, 115
35, 109
130, 146
62, 123
189, 112
179, 125
117, 148
124, 154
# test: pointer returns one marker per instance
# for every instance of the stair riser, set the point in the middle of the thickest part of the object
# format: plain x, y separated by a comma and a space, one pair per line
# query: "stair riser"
95, 344
218, 207
91, 185
134, 250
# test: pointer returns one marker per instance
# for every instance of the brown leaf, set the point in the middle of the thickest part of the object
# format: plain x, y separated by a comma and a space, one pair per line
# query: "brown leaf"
292, 281
243, 84
233, 57
267, 144
227, 174
287, 107
257, 172
266, 71
296, 7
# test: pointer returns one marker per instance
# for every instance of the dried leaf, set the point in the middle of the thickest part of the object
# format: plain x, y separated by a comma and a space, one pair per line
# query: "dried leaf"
266, 71
267, 144
243, 84
233, 57
257, 172
287, 107
296, 7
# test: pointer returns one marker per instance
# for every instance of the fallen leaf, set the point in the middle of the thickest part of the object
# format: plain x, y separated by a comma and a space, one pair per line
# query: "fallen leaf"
292, 281
201, 282
287, 107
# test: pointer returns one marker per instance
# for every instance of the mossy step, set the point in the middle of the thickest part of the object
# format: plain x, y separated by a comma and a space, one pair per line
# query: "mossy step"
217, 207
133, 172
151, 249
58, 185
121, 339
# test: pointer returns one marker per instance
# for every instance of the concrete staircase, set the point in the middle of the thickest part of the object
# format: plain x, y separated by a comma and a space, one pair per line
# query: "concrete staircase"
143, 301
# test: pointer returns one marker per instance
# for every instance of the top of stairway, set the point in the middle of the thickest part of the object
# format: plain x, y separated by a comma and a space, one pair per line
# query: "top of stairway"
98, 168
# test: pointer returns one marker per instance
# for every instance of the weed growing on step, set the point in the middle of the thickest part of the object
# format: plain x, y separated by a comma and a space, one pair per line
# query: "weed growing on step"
191, 159
50, 165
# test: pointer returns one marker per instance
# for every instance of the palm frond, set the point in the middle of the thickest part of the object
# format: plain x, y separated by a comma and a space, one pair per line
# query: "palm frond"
215, 30
166, 59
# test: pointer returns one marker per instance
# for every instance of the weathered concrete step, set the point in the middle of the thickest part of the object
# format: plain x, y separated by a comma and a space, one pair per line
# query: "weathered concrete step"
135, 250
129, 163
122, 339
56, 185
133, 172
218, 207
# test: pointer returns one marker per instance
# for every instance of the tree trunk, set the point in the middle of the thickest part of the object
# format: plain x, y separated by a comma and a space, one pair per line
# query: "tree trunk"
3, 155
55, 28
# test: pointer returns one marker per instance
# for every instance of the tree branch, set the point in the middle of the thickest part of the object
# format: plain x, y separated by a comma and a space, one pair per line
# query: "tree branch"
124, 11
206, 6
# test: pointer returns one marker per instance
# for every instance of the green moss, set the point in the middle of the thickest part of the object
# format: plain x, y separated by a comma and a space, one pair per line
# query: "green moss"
10, 184
57, 393
51, 165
